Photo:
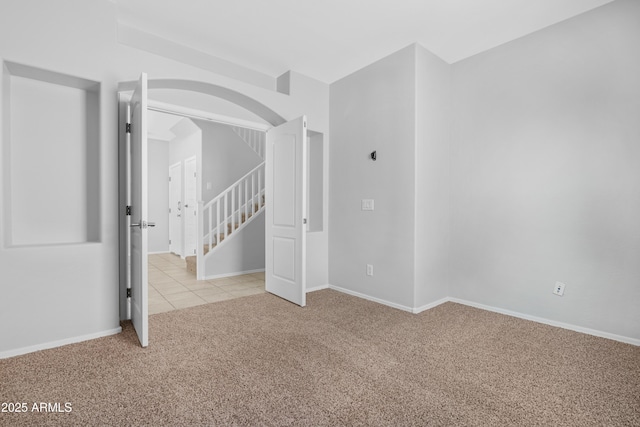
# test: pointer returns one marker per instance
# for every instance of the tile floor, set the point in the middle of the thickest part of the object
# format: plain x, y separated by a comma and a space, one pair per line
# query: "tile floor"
172, 287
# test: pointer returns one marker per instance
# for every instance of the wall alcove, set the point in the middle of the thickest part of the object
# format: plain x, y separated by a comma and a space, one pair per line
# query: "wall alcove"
50, 152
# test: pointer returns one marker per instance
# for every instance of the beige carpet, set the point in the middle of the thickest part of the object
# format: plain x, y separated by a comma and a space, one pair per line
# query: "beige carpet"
259, 360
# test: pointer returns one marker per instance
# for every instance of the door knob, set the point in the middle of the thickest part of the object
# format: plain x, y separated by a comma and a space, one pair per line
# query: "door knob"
143, 224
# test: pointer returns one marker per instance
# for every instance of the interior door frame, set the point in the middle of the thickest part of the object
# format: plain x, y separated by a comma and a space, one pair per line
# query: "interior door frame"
186, 205
175, 241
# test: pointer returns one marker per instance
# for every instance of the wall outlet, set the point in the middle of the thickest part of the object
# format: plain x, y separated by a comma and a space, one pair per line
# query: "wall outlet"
369, 269
558, 289
367, 204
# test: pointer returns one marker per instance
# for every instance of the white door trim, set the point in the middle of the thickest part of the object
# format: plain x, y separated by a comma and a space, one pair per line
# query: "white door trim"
192, 113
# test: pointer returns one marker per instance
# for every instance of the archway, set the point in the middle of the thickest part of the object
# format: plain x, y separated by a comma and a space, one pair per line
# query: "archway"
217, 91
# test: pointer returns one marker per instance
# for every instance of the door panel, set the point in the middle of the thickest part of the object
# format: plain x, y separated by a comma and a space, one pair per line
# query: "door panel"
138, 226
190, 206
175, 208
285, 211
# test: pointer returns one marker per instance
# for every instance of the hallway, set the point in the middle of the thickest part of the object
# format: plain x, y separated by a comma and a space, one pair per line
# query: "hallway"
172, 287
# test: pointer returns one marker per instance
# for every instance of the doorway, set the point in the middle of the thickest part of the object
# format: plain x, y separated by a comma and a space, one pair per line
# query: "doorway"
180, 153
285, 200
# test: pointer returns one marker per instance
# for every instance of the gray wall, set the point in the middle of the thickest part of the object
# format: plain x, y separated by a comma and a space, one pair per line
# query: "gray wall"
243, 253
433, 189
546, 172
226, 156
158, 200
374, 109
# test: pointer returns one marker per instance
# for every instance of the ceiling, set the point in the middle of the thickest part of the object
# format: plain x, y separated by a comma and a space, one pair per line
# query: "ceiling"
328, 39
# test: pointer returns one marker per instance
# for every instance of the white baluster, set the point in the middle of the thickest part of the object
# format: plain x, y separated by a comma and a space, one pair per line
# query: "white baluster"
253, 192
226, 212
233, 208
259, 189
218, 221
210, 216
246, 199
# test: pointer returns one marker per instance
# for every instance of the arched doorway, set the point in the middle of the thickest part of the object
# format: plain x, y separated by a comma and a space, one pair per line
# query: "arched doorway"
284, 192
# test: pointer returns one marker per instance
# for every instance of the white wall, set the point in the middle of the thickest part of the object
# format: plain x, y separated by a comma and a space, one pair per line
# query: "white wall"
432, 178
73, 293
158, 200
374, 109
546, 173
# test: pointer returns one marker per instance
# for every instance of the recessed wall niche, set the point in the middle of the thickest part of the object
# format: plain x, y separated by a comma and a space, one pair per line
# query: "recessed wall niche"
50, 157
315, 192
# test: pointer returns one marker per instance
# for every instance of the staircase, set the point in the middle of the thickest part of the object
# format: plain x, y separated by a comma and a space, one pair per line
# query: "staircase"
254, 139
233, 209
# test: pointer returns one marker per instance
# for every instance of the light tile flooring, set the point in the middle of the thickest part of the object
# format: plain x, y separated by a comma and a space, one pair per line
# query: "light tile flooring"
172, 287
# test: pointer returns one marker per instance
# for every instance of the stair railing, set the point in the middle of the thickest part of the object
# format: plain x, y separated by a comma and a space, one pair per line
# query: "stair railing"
228, 212
253, 137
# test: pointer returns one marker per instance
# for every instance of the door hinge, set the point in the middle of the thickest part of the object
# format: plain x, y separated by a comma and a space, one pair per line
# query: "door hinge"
169, 241
128, 292
128, 211
169, 179
127, 128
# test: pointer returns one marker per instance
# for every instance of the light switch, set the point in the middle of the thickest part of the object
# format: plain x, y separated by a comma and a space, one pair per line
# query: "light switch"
367, 204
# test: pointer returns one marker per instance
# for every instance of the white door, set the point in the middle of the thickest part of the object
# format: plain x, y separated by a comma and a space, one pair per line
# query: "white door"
190, 206
138, 202
285, 211
175, 208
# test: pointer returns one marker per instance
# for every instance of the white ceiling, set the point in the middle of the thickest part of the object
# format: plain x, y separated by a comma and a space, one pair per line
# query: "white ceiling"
328, 39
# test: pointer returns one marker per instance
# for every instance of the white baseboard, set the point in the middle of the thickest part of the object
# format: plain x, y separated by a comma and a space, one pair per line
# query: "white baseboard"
430, 305
317, 288
588, 331
370, 298
59, 343
237, 273
542, 320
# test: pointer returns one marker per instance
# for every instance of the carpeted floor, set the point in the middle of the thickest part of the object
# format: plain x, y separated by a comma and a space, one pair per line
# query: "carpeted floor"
259, 360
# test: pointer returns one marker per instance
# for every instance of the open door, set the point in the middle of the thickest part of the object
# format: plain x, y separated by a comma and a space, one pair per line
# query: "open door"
285, 211
138, 225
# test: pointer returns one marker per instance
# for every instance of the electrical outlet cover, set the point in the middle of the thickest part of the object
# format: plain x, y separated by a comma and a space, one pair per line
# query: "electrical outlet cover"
369, 270
559, 289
